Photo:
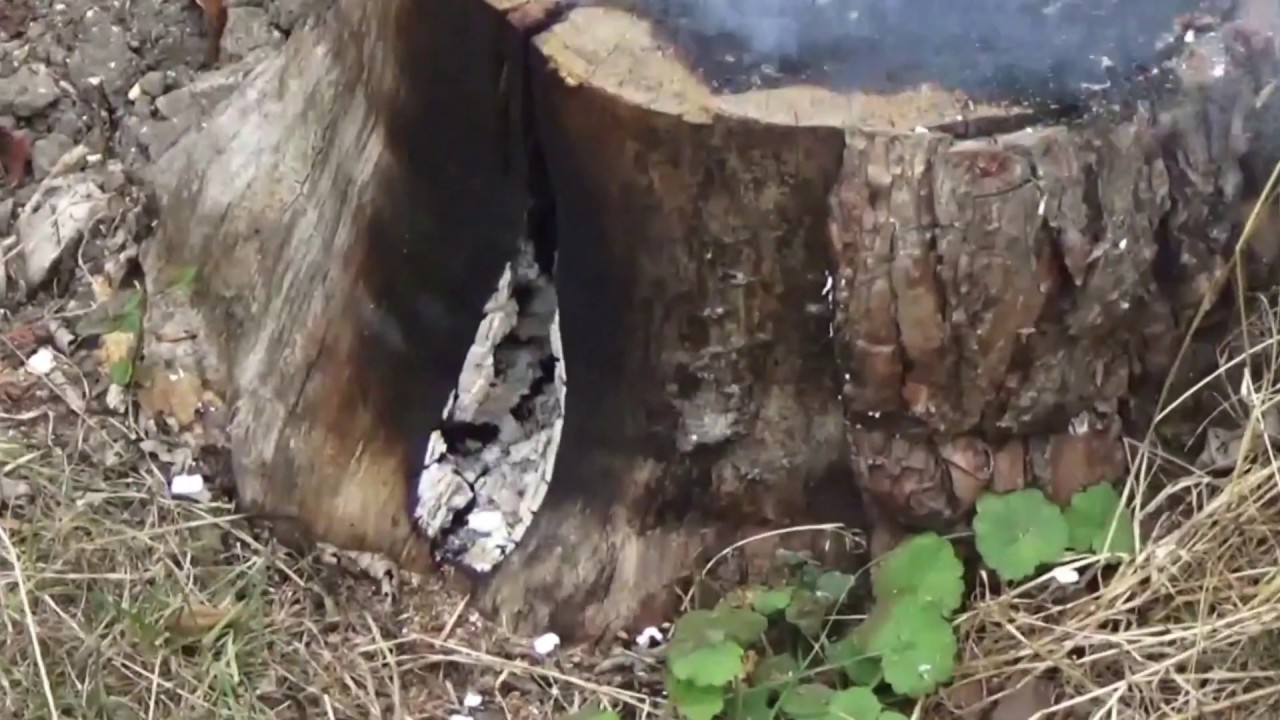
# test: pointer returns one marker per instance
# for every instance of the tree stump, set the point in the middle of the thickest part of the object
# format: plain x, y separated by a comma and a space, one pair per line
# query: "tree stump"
799, 276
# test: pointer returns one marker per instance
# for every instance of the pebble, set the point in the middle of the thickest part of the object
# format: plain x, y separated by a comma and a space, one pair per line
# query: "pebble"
153, 83
47, 150
28, 92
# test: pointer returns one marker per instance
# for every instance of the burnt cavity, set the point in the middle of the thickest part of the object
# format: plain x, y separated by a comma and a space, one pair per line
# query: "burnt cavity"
1034, 52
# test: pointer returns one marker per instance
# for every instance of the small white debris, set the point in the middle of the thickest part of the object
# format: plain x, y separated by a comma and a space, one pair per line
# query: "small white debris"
486, 521
12, 490
921, 130
185, 485
458, 716
42, 361
649, 637
472, 701
1065, 575
546, 644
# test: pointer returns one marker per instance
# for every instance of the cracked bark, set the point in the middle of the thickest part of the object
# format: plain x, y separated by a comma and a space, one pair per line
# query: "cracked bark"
777, 306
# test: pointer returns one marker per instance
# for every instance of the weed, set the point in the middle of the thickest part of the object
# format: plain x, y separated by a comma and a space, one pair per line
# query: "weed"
792, 652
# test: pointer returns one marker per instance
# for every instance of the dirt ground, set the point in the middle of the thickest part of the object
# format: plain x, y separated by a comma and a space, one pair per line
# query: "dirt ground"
129, 587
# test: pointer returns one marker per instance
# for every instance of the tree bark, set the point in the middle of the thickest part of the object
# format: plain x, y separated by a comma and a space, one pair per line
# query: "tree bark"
776, 306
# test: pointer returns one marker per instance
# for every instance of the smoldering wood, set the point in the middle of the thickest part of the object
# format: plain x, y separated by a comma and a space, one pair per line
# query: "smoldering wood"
487, 470
788, 304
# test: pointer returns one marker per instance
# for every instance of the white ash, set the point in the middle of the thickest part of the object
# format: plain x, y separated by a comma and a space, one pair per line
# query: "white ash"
487, 471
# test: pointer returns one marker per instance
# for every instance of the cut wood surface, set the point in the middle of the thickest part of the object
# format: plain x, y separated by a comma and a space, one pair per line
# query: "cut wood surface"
789, 304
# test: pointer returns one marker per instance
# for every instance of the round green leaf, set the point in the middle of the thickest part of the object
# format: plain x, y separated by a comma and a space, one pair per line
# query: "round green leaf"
696, 702
697, 628
856, 703
804, 702
860, 666
892, 715
775, 671
1018, 532
925, 567
752, 704
1089, 519
916, 645
807, 612
834, 585
768, 601
739, 624
711, 665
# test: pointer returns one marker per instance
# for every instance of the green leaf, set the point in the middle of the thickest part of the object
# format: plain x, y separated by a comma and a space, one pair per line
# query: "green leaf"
768, 601
807, 701
856, 703
694, 701
775, 671
1018, 532
709, 665
916, 645
860, 666
892, 715
122, 372
131, 322
740, 625
752, 704
926, 567
1089, 519
592, 713
835, 585
807, 612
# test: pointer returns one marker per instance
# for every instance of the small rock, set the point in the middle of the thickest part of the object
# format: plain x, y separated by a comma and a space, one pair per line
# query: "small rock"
54, 221
46, 152
247, 30
286, 14
103, 58
153, 83
188, 486
42, 361
546, 644
28, 91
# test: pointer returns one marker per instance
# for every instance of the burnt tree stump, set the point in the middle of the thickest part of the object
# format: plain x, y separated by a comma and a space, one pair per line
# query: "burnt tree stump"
801, 275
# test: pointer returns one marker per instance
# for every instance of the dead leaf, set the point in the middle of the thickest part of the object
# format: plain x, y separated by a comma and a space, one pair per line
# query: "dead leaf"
102, 288
116, 347
197, 620
15, 155
174, 393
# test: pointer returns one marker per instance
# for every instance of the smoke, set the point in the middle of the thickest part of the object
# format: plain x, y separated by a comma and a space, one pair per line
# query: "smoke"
974, 45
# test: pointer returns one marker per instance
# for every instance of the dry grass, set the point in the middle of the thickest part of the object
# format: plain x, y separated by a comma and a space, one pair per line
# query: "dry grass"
116, 602
1190, 628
